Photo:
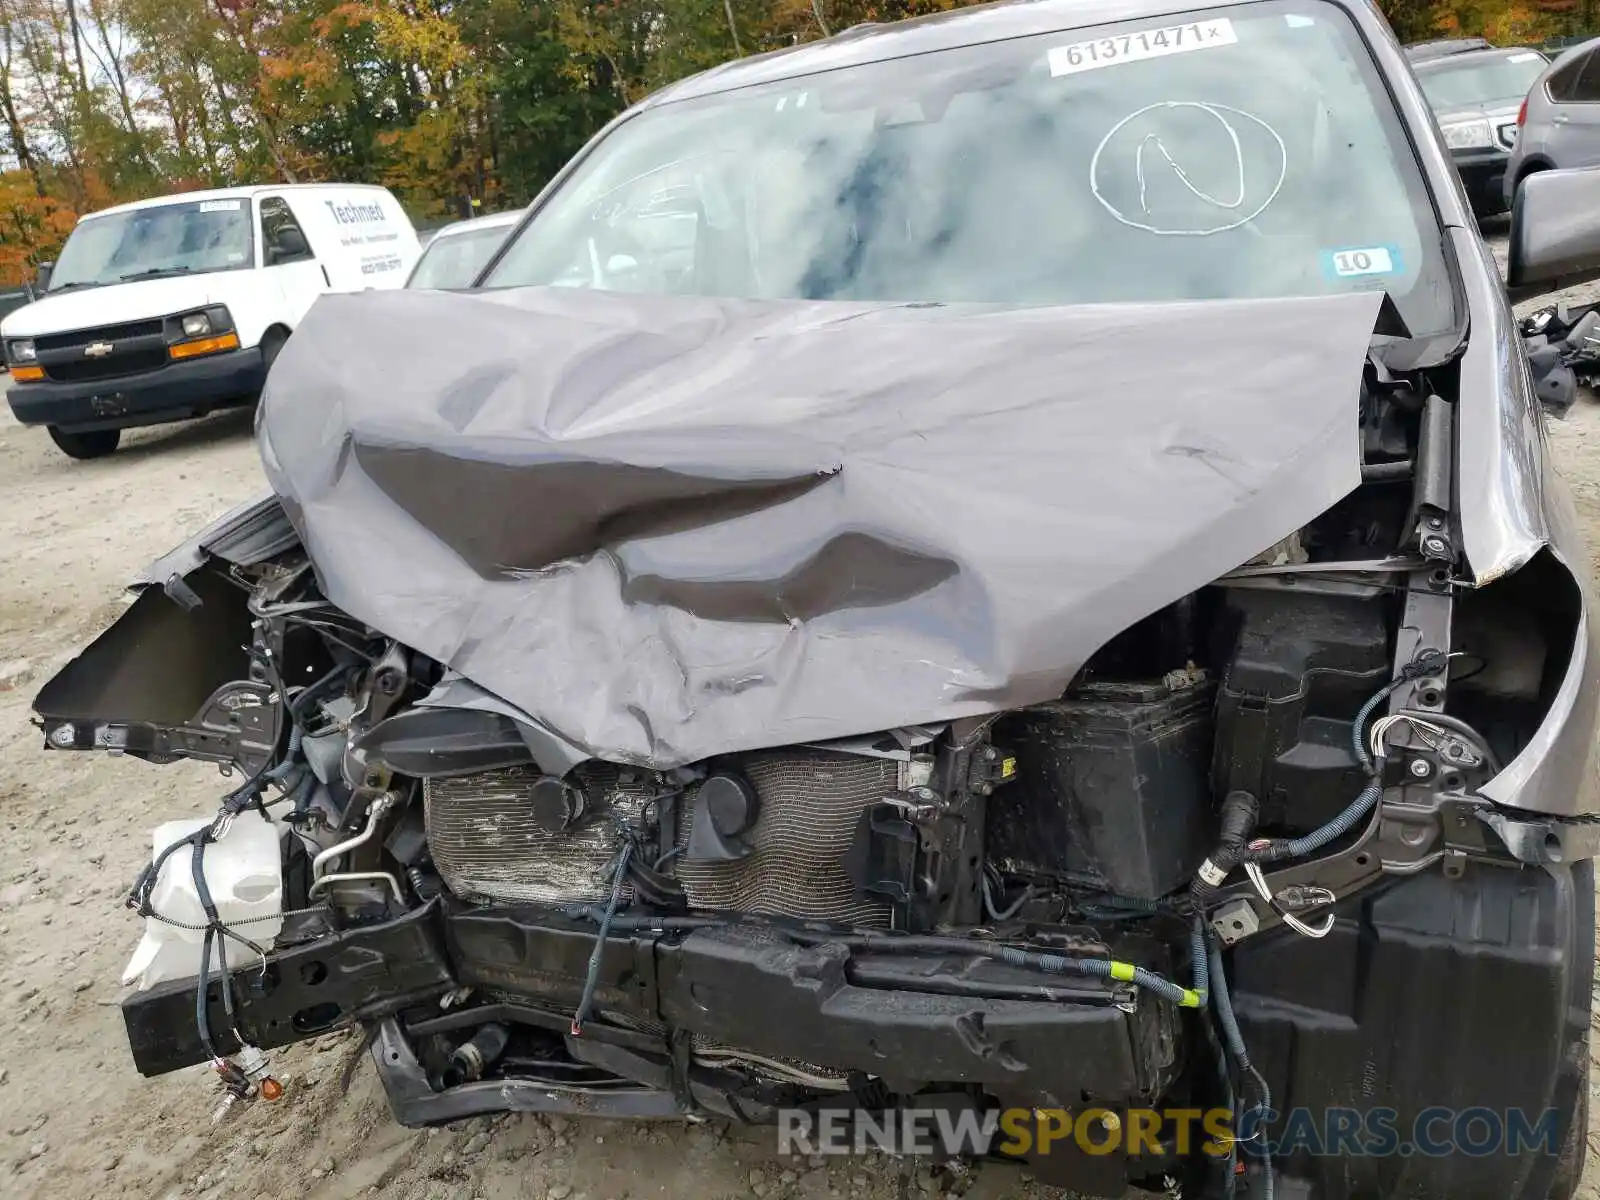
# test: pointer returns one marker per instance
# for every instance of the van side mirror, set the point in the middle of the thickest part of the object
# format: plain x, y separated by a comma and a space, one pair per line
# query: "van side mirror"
42, 280
1555, 232
288, 244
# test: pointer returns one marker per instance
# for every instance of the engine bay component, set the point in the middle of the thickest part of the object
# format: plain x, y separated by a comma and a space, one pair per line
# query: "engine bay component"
243, 872
492, 840
1003, 910
1111, 791
726, 805
809, 803
1298, 668
556, 804
469, 1060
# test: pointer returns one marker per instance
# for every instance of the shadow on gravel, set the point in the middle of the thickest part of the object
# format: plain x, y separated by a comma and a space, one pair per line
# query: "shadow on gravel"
1496, 226
187, 435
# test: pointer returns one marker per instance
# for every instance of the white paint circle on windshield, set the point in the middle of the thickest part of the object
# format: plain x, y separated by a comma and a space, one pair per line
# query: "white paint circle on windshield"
1227, 207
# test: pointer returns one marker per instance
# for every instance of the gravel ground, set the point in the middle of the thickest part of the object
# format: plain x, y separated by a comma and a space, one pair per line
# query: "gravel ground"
75, 1119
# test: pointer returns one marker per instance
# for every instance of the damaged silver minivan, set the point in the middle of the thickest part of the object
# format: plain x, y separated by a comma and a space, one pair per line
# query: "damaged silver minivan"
1004, 564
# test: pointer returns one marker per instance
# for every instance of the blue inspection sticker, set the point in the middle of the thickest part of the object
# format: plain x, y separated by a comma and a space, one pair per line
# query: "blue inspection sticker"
1352, 262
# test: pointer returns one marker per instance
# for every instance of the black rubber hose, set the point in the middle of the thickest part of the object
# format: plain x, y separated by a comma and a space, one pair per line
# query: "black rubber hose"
1222, 1004
214, 930
202, 1017
1279, 850
280, 772
996, 913
249, 792
139, 894
477, 1054
1300, 847
594, 912
1238, 818
314, 689
1055, 964
1200, 977
592, 978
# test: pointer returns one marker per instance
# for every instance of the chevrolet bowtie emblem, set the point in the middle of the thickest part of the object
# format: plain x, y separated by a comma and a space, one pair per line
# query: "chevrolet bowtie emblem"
98, 349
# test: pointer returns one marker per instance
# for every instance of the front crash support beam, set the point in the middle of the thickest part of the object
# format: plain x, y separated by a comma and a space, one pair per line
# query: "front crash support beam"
300, 991
415, 1103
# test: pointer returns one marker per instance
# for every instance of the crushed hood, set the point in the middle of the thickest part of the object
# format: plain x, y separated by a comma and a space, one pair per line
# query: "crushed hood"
664, 528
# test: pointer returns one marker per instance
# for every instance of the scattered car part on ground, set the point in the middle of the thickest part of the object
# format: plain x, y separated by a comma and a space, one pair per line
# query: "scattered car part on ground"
996, 654
1476, 95
1563, 352
170, 308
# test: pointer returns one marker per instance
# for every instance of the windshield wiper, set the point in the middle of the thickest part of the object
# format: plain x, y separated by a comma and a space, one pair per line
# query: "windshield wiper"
154, 271
1349, 566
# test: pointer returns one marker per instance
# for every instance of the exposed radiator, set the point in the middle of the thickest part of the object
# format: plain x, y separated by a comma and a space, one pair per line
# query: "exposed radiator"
811, 802
487, 846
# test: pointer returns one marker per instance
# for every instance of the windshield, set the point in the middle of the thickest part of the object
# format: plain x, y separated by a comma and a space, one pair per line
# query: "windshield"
11, 301
453, 260
202, 235
1252, 152
1470, 82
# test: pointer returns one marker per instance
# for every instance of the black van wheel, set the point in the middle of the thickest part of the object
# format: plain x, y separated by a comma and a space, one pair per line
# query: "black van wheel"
272, 342
1528, 171
95, 443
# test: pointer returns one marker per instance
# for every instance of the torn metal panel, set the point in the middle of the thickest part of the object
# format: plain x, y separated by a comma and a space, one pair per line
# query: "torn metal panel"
671, 527
1500, 441
250, 533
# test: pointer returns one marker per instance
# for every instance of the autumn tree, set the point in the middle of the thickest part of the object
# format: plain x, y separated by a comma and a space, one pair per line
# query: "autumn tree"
459, 105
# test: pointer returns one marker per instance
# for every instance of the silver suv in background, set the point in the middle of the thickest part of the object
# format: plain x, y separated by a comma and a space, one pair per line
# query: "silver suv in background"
1559, 123
455, 254
1476, 94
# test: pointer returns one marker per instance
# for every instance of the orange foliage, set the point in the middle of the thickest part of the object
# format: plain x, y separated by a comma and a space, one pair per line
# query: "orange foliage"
31, 228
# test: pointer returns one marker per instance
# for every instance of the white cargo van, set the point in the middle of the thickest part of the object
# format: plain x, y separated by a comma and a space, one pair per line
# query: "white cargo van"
169, 308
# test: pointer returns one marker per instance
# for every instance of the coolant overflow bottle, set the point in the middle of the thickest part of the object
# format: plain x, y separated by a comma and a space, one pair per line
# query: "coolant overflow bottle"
244, 872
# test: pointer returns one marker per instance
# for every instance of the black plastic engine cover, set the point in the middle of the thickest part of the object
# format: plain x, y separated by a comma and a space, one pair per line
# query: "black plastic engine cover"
1045, 1040
1458, 994
1111, 789
1299, 667
747, 989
